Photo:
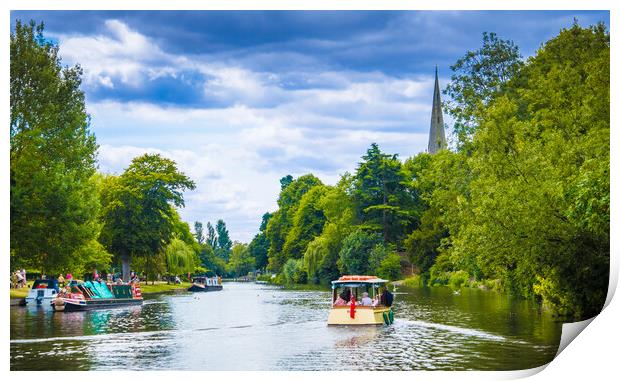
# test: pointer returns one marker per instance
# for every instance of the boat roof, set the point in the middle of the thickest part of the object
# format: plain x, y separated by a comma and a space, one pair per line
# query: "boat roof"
357, 279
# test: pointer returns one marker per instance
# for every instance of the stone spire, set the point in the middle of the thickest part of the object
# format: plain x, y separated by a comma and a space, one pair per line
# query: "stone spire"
437, 136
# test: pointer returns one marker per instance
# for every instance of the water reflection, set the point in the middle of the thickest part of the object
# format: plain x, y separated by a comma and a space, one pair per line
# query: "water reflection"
259, 327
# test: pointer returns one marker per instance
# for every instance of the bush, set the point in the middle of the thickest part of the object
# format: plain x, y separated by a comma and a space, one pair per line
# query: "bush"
458, 279
294, 272
390, 267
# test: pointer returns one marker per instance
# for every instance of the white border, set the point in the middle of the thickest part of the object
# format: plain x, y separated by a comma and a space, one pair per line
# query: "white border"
592, 354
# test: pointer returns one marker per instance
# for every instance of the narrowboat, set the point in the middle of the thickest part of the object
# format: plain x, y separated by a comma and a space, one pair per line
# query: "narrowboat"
202, 283
43, 290
360, 300
93, 295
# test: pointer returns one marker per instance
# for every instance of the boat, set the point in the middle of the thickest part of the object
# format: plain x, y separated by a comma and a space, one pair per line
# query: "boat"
82, 296
350, 306
203, 283
43, 290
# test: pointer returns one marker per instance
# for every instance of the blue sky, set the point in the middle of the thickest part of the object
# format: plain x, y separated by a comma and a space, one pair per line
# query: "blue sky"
239, 99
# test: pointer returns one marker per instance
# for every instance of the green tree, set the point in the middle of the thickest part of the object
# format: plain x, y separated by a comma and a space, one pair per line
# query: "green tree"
540, 188
478, 77
308, 223
223, 245
281, 221
53, 196
383, 201
138, 209
355, 252
199, 232
180, 257
241, 262
211, 236
259, 247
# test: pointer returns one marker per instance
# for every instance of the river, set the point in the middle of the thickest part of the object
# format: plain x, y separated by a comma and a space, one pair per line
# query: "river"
262, 327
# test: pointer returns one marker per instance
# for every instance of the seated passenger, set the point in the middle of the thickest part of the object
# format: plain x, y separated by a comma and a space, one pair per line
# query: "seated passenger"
366, 301
376, 301
341, 300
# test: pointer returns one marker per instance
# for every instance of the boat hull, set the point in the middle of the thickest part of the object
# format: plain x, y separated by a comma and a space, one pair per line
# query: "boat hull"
200, 288
85, 305
363, 316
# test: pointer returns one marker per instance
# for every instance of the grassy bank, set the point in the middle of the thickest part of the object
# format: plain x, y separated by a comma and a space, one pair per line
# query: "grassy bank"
162, 287
20, 293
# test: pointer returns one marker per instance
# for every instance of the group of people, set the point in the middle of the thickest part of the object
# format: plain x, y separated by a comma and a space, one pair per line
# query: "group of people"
18, 279
344, 299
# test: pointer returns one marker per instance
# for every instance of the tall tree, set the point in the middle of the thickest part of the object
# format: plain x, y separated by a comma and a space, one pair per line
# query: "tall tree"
199, 232
224, 243
479, 76
241, 262
54, 201
259, 246
138, 208
211, 236
282, 220
384, 203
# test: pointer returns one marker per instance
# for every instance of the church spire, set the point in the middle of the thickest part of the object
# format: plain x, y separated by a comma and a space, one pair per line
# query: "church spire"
437, 136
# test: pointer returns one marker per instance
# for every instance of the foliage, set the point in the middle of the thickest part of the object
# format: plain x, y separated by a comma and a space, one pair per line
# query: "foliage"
53, 196
223, 244
390, 267
478, 77
138, 209
180, 257
356, 248
241, 262
383, 202
281, 222
308, 222
294, 271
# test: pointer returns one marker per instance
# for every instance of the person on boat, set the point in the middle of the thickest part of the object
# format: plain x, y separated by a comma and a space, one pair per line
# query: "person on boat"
341, 301
366, 301
387, 298
61, 281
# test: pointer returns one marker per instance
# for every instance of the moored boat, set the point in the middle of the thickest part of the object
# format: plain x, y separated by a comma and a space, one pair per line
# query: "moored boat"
202, 283
43, 290
360, 300
93, 295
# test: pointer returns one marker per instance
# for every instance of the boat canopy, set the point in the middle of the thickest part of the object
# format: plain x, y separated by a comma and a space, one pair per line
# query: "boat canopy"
46, 283
358, 281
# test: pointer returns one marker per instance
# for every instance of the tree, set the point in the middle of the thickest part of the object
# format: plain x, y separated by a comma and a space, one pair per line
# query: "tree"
281, 221
478, 77
211, 236
356, 248
241, 262
54, 200
138, 208
223, 244
199, 232
537, 214
180, 257
308, 223
383, 202
259, 246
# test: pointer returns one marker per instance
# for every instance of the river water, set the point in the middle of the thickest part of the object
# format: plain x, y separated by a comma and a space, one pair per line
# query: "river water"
261, 327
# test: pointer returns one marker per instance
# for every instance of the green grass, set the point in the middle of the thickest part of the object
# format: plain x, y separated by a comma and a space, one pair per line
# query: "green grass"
162, 287
19, 293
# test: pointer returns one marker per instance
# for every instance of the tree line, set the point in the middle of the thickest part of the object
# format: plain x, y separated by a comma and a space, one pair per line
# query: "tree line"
520, 203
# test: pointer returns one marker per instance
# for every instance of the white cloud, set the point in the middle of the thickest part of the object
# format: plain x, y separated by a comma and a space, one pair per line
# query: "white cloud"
267, 124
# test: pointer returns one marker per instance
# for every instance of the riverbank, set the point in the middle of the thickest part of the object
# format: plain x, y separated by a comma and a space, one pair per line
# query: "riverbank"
158, 287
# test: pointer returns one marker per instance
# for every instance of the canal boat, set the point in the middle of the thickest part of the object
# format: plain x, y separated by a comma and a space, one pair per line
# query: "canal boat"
43, 290
203, 283
360, 300
94, 295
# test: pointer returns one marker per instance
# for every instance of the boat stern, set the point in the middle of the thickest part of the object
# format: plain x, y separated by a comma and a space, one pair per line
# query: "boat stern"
362, 316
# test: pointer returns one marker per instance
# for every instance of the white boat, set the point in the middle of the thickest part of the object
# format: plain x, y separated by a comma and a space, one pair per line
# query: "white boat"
42, 291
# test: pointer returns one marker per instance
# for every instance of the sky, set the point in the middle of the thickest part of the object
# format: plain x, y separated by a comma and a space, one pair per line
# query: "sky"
240, 99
